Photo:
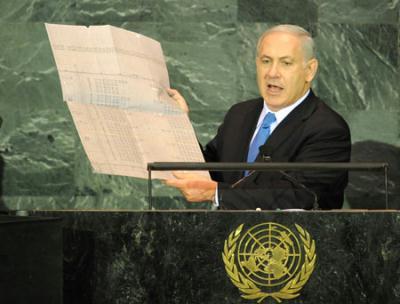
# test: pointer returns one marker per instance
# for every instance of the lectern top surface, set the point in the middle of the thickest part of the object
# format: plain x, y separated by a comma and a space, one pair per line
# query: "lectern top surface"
12, 219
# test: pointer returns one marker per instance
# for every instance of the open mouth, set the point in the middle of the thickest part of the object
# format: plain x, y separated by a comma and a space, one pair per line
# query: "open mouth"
274, 89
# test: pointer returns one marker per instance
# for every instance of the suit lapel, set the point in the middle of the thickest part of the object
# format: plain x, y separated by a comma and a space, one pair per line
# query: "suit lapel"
249, 124
286, 127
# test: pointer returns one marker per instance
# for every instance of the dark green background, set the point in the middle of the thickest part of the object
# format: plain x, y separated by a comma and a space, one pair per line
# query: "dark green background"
209, 48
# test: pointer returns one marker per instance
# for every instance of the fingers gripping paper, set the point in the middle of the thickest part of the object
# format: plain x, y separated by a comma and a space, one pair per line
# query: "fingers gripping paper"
114, 82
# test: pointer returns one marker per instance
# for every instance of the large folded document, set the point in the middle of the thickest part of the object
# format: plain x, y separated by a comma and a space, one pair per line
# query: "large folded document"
114, 82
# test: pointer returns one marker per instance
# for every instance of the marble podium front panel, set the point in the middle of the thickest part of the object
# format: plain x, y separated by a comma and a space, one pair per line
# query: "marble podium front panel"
176, 257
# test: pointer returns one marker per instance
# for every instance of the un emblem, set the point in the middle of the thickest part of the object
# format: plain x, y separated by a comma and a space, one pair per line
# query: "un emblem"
269, 260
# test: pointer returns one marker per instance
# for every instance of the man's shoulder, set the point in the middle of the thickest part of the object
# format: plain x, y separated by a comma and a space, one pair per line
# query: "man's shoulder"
326, 114
247, 105
325, 120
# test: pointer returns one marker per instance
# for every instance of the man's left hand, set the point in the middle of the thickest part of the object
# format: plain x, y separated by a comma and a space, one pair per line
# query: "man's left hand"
193, 186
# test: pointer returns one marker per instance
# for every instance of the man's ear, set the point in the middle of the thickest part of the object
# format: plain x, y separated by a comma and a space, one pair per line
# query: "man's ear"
311, 69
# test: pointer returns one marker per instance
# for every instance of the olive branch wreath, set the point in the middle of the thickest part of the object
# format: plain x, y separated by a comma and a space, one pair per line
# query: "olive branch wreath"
249, 289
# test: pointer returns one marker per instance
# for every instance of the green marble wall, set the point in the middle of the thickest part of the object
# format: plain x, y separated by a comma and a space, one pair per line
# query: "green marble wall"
209, 48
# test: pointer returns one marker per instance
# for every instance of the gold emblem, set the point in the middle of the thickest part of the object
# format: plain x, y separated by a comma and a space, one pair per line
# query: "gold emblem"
269, 260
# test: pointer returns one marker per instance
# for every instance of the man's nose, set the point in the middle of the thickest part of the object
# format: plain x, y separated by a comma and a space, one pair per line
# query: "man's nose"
273, 71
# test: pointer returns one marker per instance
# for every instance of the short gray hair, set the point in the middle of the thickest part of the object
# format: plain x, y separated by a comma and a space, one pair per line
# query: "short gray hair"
306, 38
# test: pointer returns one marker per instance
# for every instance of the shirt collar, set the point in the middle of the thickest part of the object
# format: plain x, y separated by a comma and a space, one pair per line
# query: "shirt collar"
282, 113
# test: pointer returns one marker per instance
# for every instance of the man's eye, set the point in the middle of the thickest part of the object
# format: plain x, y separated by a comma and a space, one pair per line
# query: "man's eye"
287, 63
265, 60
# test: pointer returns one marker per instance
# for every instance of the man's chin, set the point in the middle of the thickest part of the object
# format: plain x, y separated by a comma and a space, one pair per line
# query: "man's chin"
274, 103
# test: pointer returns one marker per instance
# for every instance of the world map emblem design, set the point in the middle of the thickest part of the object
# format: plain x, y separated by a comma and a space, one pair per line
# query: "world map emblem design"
269, 260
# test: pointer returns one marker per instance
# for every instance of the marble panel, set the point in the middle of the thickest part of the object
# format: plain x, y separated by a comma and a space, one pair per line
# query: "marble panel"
109, 12
28, 79
37, 142
39, 156
301, 12
87, 12
359, 11
376, 125
201, 59
25, 48
206, 123
382, 41
113, 12
224, 11
63, 11
357, 71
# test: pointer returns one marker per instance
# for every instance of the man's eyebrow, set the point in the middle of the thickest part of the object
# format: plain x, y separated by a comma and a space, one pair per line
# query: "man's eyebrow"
280, 58
286, 57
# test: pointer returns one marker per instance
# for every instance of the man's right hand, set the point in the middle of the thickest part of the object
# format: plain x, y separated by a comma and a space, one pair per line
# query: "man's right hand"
175, 95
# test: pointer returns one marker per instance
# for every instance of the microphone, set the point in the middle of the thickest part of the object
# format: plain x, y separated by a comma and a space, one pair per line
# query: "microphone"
301, 185
266, 157
266, 153
1, 121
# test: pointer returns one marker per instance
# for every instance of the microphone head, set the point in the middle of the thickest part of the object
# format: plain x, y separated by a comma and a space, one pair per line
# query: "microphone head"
266, 158
266, 153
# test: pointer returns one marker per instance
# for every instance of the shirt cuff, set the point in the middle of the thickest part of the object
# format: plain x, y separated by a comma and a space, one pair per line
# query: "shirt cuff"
215, 203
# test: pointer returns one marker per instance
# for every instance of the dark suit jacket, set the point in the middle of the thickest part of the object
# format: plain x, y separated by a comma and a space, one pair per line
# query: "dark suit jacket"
312, 132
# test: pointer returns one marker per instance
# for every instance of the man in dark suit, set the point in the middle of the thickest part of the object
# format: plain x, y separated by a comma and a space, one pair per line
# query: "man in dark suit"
287, 124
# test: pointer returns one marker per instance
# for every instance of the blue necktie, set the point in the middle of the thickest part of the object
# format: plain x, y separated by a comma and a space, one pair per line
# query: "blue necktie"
261, 137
